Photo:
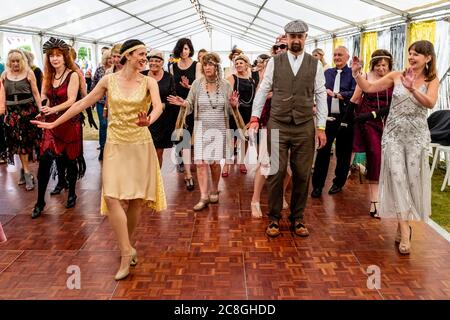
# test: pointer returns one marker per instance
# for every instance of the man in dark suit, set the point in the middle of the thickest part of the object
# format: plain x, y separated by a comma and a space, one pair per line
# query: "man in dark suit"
340, 87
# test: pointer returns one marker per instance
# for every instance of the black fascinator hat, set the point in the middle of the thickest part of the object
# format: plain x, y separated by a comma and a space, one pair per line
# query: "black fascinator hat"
53, 43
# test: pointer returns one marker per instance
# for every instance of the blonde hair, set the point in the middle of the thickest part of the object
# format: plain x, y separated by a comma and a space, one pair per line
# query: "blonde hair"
30, 58
105, 56
14, 54
116, 48
243, 57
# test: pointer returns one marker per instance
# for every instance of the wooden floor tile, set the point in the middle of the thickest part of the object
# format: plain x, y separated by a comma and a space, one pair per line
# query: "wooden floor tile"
218, 253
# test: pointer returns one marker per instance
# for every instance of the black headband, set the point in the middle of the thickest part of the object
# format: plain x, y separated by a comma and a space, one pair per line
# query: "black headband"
155, 56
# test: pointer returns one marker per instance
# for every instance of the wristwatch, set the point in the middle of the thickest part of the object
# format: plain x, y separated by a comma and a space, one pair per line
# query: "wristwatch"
335, 95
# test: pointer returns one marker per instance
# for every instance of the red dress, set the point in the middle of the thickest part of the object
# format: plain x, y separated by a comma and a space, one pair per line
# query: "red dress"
67, 138
367, 135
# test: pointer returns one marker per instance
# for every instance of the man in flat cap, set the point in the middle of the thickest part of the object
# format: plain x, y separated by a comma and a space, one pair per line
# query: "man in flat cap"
295, 78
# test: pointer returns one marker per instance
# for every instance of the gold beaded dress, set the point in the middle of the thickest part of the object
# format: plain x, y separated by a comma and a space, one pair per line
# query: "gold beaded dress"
130, 163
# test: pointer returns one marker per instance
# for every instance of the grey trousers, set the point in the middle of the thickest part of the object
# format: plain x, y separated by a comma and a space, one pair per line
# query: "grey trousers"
300, 140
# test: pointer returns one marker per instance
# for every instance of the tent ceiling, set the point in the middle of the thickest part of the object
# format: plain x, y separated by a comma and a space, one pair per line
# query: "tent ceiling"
161, 22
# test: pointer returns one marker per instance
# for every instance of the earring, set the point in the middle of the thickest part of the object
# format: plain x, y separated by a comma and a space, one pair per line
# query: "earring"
426, 66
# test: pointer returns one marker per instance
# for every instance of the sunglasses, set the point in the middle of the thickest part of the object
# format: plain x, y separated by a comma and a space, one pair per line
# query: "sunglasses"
281, 46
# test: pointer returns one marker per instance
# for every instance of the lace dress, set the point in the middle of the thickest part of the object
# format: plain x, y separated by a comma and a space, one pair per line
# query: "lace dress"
405, 186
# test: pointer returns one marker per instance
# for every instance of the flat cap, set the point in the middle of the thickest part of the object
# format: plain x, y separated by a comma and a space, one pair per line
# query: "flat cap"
296, 26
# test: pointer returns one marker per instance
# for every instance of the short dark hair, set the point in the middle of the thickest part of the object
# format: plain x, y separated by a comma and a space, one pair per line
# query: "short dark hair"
127, 45
180, 45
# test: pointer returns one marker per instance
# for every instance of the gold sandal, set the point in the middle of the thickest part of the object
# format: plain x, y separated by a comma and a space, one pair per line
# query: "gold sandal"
202, 204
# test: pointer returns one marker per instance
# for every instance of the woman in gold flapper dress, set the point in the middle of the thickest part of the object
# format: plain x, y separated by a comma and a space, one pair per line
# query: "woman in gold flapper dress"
130, 165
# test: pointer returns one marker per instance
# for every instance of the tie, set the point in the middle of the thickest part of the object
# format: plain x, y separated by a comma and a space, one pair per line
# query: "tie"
336, 88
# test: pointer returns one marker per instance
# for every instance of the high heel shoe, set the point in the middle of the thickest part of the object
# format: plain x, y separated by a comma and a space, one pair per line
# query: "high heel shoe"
405, 248
134, 258
189, 182
225, 171
124, 272
243, 169
374, 214
71, 201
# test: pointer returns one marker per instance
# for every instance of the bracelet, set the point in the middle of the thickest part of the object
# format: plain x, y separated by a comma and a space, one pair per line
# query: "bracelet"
357, 75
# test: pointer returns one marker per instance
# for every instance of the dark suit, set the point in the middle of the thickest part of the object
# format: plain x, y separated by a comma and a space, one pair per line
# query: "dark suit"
343, 136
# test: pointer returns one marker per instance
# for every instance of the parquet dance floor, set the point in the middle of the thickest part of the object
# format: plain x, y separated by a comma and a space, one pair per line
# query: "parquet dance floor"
219, 253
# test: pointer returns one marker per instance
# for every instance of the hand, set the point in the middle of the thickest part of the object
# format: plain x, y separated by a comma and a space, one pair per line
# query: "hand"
330, 93
185, 82
43, 125
176, 100
48, 111
234, 99
356, 66
314, 110
2, 111
408, 80
253, 125
105, 113
143, 119
321, 138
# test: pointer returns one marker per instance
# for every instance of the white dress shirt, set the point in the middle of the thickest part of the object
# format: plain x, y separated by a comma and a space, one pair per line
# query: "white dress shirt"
320, 93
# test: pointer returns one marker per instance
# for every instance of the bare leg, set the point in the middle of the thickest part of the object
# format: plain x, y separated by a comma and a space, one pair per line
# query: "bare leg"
118, 220
187, 163
373, 191
159, 153
405, 243
202, 176
215, 176
260, 180
133, 215
257, 189
25, 163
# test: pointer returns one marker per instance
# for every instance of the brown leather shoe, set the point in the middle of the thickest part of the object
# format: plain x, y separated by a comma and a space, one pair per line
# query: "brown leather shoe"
273, 229
300, 229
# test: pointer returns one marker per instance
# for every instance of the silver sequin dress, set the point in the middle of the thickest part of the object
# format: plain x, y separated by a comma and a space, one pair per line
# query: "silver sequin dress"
405, 186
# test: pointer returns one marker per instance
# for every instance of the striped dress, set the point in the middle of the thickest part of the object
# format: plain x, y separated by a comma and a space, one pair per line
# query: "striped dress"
210, 130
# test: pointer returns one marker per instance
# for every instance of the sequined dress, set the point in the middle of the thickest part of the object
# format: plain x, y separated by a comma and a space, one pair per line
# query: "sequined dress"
405, 186
130, 164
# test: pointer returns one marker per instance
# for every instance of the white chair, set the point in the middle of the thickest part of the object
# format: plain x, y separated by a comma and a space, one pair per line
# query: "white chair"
436, 157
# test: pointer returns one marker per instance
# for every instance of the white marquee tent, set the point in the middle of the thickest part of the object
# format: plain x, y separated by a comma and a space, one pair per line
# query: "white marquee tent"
251, 25
215, 25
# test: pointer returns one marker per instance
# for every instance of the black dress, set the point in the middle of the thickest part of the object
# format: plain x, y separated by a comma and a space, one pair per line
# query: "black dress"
162, 128
246, 89
182, 91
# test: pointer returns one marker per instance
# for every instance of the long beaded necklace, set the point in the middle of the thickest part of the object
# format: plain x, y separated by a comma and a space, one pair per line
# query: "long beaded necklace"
214, 106
251, 97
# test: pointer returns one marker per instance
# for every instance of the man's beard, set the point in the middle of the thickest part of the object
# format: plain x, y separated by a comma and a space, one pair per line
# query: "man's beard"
296, 47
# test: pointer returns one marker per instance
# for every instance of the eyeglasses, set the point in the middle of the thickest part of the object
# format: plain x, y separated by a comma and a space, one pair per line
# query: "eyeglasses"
281, 46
